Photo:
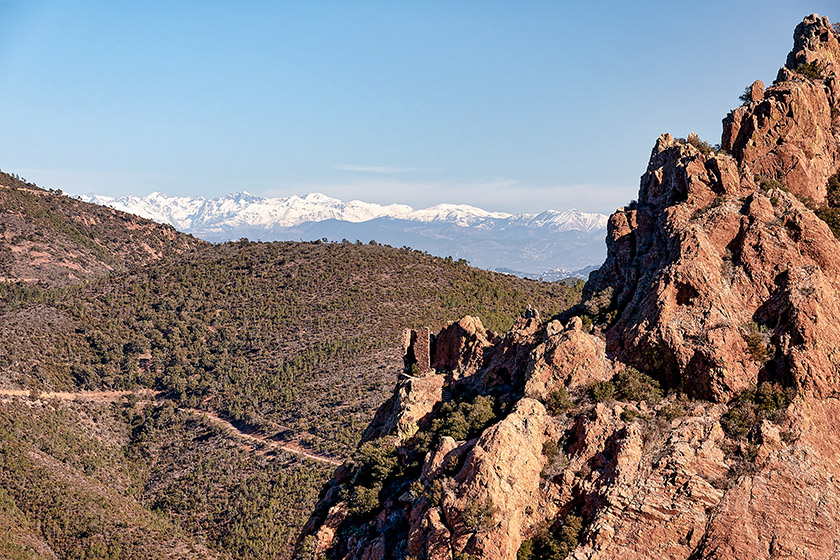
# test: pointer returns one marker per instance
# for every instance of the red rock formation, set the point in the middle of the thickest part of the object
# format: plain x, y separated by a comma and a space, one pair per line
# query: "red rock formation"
704, 255
567, 359
716, 280
459, 347
787, 132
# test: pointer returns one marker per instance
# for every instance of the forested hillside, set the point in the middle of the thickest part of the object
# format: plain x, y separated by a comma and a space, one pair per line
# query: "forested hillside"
295, 344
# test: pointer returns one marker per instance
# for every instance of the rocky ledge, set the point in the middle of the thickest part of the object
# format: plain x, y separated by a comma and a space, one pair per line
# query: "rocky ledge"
686, 409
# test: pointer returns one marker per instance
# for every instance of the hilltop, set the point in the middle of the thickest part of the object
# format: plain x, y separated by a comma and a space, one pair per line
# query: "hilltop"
53, 240
686, 409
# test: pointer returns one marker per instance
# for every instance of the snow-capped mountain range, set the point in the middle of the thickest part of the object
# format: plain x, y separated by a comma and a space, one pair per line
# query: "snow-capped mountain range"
242, 209
521, 243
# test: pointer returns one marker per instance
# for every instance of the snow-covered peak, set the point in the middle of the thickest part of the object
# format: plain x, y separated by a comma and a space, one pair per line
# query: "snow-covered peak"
174, 210
563, 221
459, 214
244, 210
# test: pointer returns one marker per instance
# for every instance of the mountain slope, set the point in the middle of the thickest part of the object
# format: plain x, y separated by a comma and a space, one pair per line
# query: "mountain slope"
686, 409
529, 243
55, 240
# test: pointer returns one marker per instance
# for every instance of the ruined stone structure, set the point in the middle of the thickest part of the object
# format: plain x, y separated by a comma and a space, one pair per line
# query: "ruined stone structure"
417, 349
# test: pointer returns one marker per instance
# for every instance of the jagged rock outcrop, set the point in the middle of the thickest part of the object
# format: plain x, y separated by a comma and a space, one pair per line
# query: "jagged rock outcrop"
788, 131
568, 358
413, 401
459, 347
703, 256
500, 474
722, 287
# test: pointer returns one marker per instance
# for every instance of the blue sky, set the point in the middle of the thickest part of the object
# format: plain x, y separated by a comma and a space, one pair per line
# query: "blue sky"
515, 106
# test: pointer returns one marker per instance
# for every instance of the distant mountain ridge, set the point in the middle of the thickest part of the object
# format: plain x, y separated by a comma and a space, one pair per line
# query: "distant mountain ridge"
534, 245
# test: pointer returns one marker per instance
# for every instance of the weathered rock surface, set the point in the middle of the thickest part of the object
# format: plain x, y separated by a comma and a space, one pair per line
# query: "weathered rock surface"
569, 358
459, 348
787, 132
716, 280
413, 400
702, 257
501, 472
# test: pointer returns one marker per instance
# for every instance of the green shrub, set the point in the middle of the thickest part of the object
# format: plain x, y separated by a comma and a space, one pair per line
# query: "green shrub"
552, 545
770, 398
306, 549
416, 488
599, 302
830, 216
377, 461
364, 500
830, 211
750, 407
478, 515
435, 492
460, 421
811, 70
756, 344
833, 191
557, 402
628, 385
629, 414
464, 420
601, 391
769, 184
702, 146
527, 550
452, 464
570, 534
633, 385
738, 421
550, 450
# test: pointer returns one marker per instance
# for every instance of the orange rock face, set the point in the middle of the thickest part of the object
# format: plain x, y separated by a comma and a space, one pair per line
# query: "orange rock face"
569, 358
786, 132
460, 346
716, 281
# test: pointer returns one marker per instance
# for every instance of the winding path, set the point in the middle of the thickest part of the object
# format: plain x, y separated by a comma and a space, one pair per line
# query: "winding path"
148, 395
260, 438
98, 396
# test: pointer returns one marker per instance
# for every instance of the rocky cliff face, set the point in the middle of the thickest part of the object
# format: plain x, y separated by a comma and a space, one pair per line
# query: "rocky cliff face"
686, 409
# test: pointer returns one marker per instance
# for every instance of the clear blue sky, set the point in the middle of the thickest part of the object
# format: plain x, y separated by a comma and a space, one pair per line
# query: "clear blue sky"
514, 106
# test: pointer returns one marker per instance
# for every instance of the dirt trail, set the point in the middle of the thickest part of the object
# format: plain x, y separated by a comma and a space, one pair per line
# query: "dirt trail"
98, 396
148, 394
260, 438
